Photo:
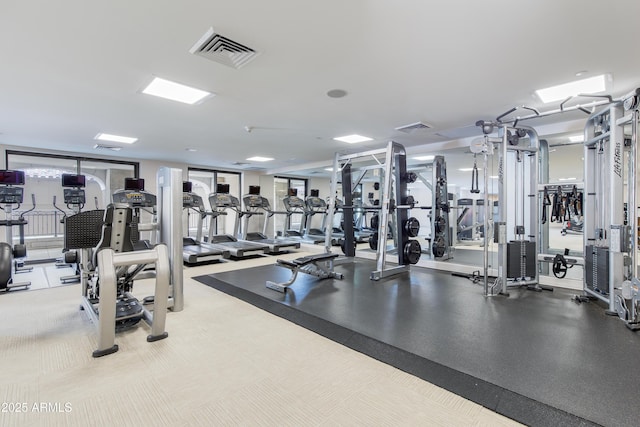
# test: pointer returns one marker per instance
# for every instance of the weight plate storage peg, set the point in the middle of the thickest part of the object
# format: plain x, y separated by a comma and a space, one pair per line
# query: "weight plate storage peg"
412, 251
412, 227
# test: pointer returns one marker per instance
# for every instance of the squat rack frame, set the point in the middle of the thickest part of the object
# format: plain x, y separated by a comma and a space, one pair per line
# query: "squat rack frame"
394, 170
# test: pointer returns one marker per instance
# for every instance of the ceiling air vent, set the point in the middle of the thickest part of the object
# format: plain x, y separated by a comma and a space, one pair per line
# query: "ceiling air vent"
414, 127
223, 50
106, 147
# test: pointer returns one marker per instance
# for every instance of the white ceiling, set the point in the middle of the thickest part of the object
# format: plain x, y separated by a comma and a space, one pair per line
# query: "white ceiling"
73, 68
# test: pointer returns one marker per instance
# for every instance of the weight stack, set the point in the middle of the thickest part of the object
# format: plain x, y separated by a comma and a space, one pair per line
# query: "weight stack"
596, 268
521, 259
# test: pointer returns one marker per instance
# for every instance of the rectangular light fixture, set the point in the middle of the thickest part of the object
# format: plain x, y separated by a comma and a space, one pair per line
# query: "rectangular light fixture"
259, 159
567, 179
175, 91
353, 139
115, 138
465, 169
576, 138
561, 92
424, 158
493, 176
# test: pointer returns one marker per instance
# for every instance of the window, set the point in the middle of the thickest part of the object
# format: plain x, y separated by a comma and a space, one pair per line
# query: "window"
281, 190
204, 183
43, 173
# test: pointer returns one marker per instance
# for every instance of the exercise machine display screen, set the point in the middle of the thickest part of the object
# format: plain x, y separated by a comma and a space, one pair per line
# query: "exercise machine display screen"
74, 196
187, 186
11, 195
315, 193
71, 180
222, 188
134, 184
293, 192
254, 190
9, 177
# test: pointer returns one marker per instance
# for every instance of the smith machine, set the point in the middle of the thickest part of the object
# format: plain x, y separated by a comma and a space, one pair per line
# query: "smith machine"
441, 235
391, 162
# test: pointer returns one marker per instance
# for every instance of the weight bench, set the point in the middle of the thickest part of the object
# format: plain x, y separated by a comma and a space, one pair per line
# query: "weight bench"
320, 265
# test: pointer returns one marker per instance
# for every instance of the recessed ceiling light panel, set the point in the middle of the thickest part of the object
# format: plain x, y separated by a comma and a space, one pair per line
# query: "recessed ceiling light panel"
353, 139
259, 159
115, 138
424, 158
576, 138
591, 85
175, 91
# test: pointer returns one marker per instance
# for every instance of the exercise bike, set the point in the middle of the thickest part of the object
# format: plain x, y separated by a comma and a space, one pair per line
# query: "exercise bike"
12, 256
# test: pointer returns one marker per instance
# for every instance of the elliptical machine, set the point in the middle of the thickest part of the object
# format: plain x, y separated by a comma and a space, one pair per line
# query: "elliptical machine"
12, 196
74, 198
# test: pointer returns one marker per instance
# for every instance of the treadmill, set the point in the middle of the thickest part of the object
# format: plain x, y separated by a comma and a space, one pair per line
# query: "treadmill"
255, 204
220, 201
314, 206
193, 250
295, 205
359, 235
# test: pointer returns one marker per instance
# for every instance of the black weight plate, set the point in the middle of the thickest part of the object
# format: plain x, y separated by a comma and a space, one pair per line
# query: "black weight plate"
412, 227
441, 224
373, 241
375, 221
439, 247
412, 251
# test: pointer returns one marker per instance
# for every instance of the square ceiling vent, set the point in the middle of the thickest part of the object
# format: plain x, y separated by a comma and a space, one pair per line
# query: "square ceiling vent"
413, 127
223, 50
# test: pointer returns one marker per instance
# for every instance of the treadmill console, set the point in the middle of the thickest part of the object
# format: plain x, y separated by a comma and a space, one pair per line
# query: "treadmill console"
192, 200
253, 201
316, 203
135, 199
223, 200
11, 195
293, 202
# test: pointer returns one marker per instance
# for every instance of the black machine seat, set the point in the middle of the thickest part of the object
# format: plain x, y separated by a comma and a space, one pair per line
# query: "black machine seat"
305, 260
116, 230
319, 265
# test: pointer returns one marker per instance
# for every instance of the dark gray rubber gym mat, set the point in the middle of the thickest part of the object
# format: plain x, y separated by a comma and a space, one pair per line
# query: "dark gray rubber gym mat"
538, 358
